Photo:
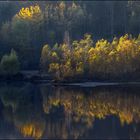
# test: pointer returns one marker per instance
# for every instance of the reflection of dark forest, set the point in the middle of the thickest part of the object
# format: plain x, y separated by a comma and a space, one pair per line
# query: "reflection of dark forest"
45, 112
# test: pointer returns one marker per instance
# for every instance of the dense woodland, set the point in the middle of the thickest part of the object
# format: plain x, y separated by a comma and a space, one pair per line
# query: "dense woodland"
71, 39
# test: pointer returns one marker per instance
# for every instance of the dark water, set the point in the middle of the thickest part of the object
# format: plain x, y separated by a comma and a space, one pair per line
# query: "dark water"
41, 111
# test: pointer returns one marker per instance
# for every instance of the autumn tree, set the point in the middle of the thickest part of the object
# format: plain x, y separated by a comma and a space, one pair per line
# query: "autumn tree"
102, 59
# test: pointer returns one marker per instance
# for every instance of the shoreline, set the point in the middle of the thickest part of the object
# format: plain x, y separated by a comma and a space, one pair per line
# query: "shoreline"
38, 78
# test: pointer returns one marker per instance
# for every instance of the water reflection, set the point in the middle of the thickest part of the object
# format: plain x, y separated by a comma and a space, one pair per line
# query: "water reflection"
39, 111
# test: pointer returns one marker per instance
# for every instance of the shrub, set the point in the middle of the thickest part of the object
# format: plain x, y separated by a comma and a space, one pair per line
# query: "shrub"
10, 64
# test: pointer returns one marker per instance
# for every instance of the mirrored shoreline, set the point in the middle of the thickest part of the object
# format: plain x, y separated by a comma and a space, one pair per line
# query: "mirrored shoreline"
41, 111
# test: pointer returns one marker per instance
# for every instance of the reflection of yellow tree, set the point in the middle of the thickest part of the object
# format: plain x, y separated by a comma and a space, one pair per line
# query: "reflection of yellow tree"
68, 101
29, 121
80, 111
21, 112
96, 106
32, 129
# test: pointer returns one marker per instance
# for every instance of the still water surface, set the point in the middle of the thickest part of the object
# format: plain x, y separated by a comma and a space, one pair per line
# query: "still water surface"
44, 111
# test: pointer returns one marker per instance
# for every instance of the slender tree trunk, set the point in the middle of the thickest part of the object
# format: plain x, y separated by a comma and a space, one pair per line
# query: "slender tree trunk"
67, 38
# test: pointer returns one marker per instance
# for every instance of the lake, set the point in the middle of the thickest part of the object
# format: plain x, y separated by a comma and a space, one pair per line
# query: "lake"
45, 111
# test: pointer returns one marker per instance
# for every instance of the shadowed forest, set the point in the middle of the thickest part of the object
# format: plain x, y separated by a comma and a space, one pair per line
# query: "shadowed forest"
66, 39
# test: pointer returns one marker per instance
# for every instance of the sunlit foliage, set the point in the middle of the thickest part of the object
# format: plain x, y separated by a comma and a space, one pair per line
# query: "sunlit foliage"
102, 58
29, 13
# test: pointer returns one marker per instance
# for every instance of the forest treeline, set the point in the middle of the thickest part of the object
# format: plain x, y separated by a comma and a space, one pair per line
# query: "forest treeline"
27, 26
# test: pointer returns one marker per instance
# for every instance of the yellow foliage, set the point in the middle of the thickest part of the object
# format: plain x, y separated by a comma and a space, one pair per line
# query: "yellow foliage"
53, 67
79, 68
102, 43
29, 13
54, 54
116, 58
